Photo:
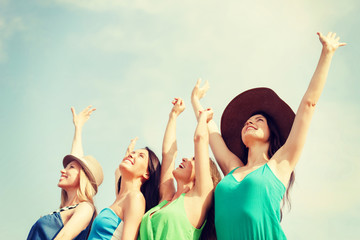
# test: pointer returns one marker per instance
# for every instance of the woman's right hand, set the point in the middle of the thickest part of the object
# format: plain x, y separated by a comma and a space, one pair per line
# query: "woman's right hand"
80, 119
179, 106
199, 92
207, 113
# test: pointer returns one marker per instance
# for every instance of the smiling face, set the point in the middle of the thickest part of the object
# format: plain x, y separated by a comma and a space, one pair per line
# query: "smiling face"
70, 176
186, 170
136, 163
255, 129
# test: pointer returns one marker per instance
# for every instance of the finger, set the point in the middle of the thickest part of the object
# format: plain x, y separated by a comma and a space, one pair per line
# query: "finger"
342, 44
91, 110
198, 82
320, 34
87, 108
333, 35
337, 39
73, 111
329, 34
206, 85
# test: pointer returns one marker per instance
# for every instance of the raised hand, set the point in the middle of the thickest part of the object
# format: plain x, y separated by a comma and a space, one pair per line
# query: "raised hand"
207, 114
179, 106
131, 146
330, 42
80, 119
199, 92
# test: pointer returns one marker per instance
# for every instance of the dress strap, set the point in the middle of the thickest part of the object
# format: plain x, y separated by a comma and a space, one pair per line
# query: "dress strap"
64, 209
233, 170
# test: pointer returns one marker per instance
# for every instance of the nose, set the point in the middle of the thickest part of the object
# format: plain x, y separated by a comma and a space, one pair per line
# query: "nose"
62, 171
249, 122
184, 160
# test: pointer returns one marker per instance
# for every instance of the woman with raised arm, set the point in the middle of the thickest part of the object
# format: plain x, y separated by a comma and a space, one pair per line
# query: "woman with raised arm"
182, 212
79, 181
261, 143
137, 187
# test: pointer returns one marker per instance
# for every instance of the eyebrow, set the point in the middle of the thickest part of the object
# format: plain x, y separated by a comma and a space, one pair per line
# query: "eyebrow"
259, 117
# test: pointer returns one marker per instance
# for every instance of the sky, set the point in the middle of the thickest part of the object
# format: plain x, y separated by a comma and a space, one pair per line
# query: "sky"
129, 59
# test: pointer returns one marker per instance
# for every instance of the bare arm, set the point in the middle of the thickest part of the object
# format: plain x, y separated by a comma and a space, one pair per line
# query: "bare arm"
288, 156
79, 121
133, 213
78, 222
224, 157
169, 151
203, 183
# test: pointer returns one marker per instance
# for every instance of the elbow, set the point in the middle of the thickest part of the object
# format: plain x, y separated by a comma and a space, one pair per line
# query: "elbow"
200, 138
309, 102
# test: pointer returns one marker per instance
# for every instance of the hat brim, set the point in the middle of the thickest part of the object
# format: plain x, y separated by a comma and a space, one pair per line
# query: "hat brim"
69, 158
246, 104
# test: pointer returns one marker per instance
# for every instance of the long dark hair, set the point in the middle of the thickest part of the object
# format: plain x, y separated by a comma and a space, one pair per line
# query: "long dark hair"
150, 188
208, 232
275, 144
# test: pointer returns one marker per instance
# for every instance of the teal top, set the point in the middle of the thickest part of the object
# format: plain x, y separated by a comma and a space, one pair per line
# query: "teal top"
104, 225
249, 209
169, 222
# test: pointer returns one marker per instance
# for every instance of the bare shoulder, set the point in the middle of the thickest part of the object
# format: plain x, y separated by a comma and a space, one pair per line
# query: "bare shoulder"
135, 198
134, 205
85, 207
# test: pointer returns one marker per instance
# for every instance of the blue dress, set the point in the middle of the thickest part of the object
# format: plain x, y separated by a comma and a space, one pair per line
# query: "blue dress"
47, 227
105, 225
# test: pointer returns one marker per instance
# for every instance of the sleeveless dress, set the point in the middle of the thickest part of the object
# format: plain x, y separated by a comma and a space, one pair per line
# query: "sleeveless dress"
249, 209
170, 222
105, 225
48, 226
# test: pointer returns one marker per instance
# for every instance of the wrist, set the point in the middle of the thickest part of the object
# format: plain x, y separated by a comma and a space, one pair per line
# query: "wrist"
173, 114
327, 51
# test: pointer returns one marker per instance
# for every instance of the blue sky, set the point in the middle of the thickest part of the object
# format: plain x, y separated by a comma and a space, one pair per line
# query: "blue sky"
130, 58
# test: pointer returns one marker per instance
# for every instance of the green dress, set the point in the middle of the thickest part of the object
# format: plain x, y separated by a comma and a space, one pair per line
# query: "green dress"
249, 209
169, 222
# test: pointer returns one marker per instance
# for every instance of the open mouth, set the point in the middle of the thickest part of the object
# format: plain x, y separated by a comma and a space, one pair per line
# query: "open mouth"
128, 159
250, 128
181, 165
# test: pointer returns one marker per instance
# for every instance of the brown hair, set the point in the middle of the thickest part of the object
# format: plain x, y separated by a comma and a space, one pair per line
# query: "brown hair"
150, 188
275, 144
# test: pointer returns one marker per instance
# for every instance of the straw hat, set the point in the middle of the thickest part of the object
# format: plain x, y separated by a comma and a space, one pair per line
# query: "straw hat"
91, 167
243, 106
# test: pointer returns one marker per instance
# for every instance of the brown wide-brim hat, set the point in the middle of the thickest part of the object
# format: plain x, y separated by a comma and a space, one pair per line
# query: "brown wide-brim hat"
245, 105
91, 166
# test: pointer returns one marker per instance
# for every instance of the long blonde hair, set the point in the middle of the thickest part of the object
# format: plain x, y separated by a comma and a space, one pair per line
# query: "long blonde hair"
85, 191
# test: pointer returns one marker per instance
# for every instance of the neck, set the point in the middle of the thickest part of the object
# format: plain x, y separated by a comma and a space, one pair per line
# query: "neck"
128, 185
72, 197
182, 188
257, 154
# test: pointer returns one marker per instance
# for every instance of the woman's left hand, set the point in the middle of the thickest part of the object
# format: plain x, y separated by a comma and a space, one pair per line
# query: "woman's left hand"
330, 42
80, 119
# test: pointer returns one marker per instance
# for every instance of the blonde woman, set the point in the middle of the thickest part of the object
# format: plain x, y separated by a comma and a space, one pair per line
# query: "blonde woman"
79, 182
